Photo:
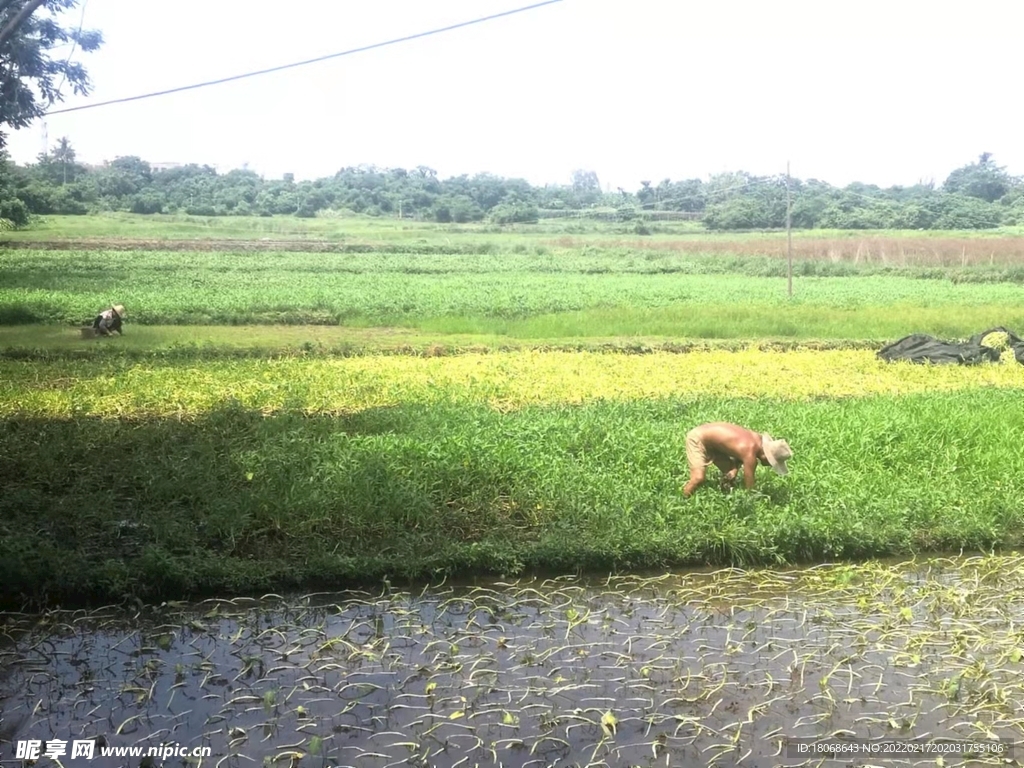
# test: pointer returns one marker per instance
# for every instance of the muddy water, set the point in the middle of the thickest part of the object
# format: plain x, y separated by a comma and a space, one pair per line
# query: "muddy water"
691, 669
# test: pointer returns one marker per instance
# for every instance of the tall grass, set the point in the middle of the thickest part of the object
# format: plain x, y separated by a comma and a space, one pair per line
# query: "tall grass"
931, 249
234, 500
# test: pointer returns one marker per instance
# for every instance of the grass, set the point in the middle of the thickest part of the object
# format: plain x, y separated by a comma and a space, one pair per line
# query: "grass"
736, 321
202, 341
133, 226
520, 296
885, 248
227, 499
247, 433
670, 329
115, 387
881, 249
362, 228
184, 343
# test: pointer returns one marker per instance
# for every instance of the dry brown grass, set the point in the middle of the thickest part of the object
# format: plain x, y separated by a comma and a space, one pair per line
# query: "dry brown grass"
895, 251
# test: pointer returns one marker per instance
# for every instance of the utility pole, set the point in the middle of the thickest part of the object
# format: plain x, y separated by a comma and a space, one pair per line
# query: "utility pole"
789, 235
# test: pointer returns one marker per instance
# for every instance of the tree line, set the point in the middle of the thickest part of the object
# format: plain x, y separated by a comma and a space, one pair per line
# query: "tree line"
978, 195
35, 71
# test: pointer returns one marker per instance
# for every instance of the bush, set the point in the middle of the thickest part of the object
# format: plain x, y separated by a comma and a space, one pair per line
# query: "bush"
514, 213
962, 212
15, 211
147, 204
737, 213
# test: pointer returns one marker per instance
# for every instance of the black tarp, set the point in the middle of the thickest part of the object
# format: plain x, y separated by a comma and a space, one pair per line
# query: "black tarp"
922, 348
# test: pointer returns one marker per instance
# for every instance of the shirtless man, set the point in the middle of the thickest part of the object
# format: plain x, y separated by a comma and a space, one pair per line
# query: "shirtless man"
731, 447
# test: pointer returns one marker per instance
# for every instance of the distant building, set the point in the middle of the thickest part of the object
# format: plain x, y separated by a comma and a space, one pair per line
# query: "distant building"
165, 166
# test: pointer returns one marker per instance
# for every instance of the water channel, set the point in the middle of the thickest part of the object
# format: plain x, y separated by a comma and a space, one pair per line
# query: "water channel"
703, 668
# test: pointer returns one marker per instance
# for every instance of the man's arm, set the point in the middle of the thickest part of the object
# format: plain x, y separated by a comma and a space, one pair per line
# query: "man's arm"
749, 466
729, 470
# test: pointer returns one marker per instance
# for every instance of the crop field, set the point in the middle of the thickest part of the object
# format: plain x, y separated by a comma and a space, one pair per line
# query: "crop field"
502, 381
481, 435
885, 248
254, 473
498, 461
460, 401
518, 296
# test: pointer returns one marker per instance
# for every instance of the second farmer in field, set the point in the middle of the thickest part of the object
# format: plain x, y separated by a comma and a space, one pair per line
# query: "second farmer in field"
731, 448
108, 321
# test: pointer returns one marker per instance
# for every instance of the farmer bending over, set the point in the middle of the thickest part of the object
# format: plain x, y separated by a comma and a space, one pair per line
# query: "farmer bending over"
730, 448
109, 320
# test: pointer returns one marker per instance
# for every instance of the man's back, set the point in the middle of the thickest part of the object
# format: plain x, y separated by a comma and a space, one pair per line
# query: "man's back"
729, 441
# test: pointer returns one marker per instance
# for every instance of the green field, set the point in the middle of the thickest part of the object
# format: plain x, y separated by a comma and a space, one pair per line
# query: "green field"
248, 432
376, 228
233, 499
563, 294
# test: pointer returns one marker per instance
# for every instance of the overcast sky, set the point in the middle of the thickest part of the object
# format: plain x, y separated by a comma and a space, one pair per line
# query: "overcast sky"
886, 92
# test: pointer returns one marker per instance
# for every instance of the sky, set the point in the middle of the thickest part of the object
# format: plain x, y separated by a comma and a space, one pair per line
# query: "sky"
878, 91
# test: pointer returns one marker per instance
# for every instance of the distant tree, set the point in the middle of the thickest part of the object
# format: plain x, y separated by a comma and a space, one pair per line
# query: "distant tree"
983, 179
456, 208
646, 194
12, 207
56, 184
955, 211
515, 212
585, 181
736, 213
64, 156
51, 184
687, 195
586, 186
31, 81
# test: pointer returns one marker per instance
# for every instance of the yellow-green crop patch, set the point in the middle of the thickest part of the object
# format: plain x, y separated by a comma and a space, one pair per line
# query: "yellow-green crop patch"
501, 380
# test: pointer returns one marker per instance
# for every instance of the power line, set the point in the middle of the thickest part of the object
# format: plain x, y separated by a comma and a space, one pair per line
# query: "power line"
307, 61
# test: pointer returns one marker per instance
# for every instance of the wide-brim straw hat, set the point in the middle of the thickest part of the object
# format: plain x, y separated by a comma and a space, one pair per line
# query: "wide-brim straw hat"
777, 452
119, 308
